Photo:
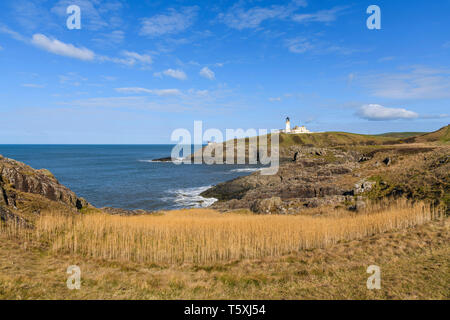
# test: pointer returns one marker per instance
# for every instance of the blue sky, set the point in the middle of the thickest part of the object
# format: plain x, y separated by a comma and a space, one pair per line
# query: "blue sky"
137, 70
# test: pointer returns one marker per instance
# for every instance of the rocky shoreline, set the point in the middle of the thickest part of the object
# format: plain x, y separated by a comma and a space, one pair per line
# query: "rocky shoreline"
308, 177
311, 177
340, 177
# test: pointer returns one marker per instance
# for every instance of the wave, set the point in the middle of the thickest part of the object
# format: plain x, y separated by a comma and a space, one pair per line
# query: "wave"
178, 160
246, 170
191, 198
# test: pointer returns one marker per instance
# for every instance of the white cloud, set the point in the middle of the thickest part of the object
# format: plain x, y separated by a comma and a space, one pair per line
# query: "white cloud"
170, 23
275, 99
324, 16
129, 58
31, 14
376, 112
142, 58
133, 90
159, 92
1, 48
317, 46
167, 92
299, 45
207, 73
110, 102
69, 50
110, 39
33, 85
60, 48
124, 61
177, 74
416, 82
72, 79
109, 78
446, 44
384, 59
240, 18
13, 34
129, 103
202, 93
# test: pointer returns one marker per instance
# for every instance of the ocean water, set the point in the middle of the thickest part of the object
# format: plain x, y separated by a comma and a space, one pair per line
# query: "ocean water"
124, 176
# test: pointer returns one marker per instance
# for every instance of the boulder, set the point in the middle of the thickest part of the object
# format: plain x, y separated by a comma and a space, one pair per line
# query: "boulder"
387, 161
363, 186
272, 205
364, 158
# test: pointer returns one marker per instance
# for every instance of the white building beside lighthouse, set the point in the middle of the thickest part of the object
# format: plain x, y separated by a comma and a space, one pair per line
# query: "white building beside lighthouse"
295, 130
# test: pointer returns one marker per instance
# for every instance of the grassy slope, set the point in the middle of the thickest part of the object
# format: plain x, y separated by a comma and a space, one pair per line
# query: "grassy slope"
355, 141
442, 135
414, 265
401, 134
331, 139
323, 139
327, 139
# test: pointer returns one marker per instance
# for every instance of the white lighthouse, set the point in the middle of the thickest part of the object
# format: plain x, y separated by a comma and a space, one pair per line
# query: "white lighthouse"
288, 125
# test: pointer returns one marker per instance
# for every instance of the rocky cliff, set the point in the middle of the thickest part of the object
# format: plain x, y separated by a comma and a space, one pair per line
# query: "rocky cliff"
27, 190
312, 177
344, 177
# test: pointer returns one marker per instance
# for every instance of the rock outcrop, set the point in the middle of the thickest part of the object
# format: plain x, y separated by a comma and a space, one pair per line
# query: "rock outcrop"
311, 178
7, 215
18, 180
267, 206
363, 186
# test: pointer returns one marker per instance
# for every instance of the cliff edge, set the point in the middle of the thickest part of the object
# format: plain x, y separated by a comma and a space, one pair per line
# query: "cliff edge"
25, 191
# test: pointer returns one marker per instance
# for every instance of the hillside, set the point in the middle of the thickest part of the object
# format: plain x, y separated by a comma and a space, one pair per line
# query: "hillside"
401, 134
441, 136
333, 139
342, 139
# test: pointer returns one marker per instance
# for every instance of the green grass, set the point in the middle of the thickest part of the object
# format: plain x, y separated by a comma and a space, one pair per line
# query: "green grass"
331, 139
442, 135
401, 134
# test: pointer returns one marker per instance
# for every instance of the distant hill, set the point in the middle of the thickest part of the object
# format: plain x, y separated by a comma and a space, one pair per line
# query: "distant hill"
401, 134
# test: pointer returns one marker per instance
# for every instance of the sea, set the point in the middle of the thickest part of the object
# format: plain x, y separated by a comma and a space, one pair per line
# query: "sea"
126, 176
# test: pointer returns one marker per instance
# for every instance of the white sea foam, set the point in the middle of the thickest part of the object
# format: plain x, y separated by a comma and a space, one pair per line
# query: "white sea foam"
246, 170
191, 198
178, 160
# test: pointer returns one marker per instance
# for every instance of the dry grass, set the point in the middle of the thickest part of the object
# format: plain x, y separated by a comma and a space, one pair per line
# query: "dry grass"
208, 237
414, 264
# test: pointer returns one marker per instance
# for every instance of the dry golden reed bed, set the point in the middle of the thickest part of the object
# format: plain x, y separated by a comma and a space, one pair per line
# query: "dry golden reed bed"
206, 236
